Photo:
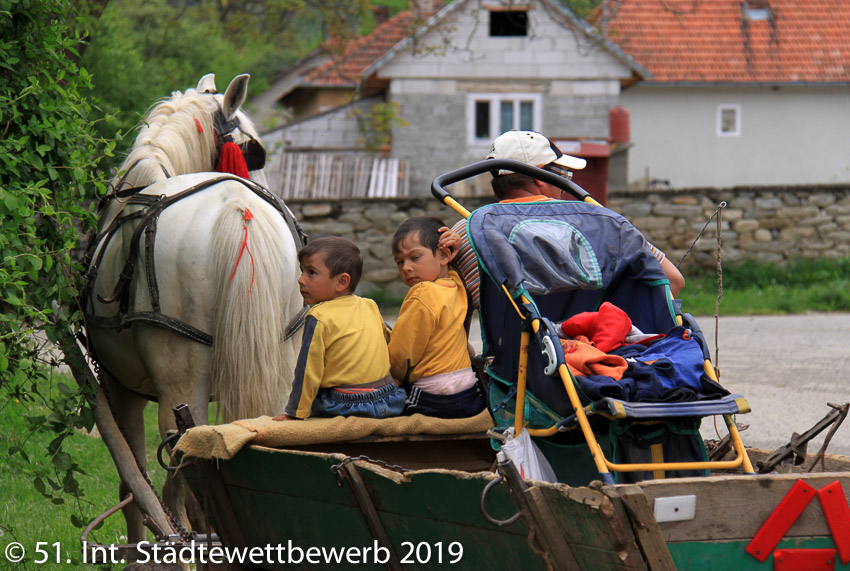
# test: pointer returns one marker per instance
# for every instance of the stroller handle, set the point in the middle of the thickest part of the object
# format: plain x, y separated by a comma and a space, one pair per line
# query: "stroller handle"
469, 171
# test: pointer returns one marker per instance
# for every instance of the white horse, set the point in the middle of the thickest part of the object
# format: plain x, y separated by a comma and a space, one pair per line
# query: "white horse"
192, 279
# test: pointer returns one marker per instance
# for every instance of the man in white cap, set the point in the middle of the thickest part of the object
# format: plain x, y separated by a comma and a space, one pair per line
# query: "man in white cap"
536, 150
532, 149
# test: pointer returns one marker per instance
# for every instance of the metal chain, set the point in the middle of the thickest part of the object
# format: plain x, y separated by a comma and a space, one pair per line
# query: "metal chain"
178, 527
336, 468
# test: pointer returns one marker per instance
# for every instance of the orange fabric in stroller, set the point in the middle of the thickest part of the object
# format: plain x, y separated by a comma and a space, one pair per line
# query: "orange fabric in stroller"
584, 359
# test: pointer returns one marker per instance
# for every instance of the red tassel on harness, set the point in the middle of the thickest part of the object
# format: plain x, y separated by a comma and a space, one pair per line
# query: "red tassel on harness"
230, 159
247, 217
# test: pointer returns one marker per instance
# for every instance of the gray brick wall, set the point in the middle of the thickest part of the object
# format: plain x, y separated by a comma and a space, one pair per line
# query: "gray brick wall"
577, 116
435, 140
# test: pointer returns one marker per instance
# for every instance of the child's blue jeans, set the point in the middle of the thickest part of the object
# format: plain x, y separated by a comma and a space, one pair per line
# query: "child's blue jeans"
384, 402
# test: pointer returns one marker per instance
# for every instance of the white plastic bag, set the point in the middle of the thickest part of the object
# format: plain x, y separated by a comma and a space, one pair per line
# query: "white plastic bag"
528, 459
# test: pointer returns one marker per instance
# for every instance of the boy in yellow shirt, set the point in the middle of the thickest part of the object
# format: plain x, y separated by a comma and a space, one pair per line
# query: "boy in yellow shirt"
343, 368
428, 344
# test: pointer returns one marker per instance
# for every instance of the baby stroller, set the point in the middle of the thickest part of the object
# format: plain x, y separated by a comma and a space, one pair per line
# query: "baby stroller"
544, 263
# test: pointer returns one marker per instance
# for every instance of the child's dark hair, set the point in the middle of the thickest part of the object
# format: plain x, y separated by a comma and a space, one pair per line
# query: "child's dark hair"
341, 256
425, 228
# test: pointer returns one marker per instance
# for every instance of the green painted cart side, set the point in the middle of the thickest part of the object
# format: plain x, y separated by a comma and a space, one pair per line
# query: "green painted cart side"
292, 497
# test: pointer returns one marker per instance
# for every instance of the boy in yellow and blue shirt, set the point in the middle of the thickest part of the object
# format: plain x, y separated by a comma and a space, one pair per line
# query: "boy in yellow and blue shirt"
343, 367
428, 344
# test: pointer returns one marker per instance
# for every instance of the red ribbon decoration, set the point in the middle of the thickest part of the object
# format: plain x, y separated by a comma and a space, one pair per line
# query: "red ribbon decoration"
248, 216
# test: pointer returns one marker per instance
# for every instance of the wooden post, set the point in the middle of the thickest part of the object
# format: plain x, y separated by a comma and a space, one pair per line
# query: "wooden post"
119, 449
648, 534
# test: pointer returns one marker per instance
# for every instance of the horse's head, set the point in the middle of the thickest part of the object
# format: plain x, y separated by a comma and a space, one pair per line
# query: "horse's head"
187, 132
232, 125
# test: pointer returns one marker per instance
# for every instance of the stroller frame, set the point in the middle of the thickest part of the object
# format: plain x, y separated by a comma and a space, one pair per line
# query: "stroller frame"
542, 330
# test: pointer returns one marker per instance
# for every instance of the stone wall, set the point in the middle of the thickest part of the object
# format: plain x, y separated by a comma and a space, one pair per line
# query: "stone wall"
768, 224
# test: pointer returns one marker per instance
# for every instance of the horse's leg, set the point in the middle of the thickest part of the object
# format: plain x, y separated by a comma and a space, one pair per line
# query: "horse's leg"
128, 410
180, 373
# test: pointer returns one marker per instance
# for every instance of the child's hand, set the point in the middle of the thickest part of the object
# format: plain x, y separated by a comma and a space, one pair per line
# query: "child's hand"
449, 240
284, 416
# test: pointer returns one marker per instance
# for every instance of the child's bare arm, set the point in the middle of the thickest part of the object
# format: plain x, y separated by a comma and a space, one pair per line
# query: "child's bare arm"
284, 416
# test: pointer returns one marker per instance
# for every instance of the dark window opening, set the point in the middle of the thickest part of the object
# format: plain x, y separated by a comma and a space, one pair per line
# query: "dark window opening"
482, 119
509, 23
756, 10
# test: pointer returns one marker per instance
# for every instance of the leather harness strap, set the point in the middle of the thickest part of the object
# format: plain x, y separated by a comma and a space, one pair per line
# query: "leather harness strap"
154, 206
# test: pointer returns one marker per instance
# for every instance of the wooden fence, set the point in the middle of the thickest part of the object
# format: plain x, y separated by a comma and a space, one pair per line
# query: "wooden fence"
337, 175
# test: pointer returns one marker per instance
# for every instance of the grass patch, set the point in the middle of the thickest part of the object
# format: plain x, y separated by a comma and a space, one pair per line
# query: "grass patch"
27, 517
750, 288
757, 288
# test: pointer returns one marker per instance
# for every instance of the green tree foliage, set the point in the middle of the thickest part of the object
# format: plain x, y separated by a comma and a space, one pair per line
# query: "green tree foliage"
48, 160
143, 50
376, 125
587, 9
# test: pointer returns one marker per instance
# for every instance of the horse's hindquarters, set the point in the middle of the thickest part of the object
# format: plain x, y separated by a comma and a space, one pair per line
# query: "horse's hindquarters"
206, 263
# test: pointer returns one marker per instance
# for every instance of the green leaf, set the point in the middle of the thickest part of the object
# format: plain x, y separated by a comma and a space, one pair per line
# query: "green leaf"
35, 161
12, 202
61, 461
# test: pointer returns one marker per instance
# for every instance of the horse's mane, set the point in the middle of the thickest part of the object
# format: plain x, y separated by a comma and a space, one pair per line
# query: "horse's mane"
170, 137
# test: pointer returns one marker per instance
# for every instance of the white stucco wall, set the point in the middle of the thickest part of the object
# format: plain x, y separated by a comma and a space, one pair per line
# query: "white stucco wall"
789, 135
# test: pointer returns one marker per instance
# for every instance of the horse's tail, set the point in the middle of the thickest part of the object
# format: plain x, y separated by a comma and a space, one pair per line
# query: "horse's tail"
252, 365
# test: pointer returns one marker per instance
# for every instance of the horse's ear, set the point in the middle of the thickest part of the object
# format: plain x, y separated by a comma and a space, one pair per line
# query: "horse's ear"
235, 95
207, 84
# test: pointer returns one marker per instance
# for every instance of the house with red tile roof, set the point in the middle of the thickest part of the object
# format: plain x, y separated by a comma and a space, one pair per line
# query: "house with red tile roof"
457, 75
739, 92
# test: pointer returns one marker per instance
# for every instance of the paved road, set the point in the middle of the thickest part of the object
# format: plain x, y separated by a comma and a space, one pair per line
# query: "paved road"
788, 367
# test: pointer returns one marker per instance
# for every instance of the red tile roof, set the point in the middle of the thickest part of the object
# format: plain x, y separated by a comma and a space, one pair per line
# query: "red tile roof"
360, 53
710, 41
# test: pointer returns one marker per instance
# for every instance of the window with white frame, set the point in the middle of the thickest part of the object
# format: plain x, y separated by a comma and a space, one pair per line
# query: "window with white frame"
728, 120
491, 114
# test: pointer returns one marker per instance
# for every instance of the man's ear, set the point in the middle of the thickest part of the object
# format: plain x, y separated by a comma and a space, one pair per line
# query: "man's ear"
343, 280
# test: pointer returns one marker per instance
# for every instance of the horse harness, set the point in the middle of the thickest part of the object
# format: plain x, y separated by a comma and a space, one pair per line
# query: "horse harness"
148, 216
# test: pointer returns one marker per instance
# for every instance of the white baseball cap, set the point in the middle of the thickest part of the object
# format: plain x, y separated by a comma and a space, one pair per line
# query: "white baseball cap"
532, 149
